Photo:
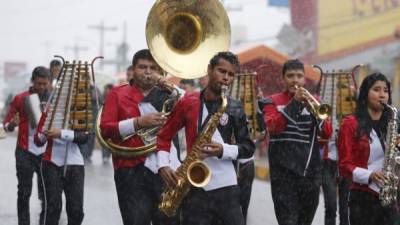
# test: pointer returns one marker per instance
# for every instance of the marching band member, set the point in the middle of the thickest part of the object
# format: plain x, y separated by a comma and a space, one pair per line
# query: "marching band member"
334, 187
294, 159
219, 199
361, 152
27, 155
127, 109
62, 171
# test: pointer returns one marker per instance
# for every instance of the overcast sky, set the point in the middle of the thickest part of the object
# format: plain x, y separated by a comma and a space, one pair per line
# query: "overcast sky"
33, 30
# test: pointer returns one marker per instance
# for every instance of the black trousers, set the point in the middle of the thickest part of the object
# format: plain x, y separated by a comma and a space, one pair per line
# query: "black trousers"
87, 148
365, 209
26, 165
210, 207
329, 188
343, 188
72, 186
295, 197
139, 193
245, 182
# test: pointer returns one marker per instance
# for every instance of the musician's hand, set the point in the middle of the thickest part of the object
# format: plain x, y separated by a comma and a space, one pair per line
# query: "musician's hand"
15, 120
161, 81
378, 177
301, 95
169, 176
212, 149
152, 119
53, 133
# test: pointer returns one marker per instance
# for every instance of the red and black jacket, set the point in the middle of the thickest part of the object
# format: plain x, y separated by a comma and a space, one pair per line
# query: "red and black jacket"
293, 135
18, 106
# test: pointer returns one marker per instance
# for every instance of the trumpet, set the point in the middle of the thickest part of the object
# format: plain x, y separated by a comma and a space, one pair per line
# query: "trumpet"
320, 111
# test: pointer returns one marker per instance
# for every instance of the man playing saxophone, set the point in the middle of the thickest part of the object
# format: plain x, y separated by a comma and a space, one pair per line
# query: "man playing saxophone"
128, 109
294, 159
219, 199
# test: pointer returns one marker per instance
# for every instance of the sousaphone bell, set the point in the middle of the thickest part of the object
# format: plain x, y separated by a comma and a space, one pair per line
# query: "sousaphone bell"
182, 36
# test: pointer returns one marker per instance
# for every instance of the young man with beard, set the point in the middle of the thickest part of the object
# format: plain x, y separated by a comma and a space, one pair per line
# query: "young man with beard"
219, 199
27, 155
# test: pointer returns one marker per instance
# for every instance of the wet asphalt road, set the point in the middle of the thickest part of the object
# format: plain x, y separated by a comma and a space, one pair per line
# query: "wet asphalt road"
101, 206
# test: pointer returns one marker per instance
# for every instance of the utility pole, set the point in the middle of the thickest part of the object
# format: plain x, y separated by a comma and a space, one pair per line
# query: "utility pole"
102, 29
76, 49
121, 59
122, 51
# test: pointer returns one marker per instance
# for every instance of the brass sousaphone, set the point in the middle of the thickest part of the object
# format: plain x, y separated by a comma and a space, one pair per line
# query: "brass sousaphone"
182, 36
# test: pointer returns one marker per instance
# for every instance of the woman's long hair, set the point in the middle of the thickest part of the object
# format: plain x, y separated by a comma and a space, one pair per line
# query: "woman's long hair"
363, 118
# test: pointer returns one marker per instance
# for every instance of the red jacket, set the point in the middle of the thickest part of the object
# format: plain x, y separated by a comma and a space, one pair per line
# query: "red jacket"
18, 106
186, 114
121, 103
353, 153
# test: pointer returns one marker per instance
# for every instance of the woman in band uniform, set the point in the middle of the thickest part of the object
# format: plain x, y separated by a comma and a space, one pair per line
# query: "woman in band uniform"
361, 152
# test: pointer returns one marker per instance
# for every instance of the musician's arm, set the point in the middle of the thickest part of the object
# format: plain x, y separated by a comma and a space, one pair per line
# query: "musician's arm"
8, 124
245, 146
78, 137
171, 127
40, 138
276, 119
347, 167
325, 129
110, 125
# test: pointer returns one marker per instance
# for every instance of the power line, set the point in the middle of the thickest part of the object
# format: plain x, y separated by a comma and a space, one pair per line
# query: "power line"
102, 29
77, 49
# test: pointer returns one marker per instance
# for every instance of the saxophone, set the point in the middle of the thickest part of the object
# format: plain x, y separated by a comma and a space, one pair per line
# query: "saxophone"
192, 171
388, 193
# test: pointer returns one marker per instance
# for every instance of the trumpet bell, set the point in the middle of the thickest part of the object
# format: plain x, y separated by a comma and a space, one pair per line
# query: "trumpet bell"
324, 111
183, 35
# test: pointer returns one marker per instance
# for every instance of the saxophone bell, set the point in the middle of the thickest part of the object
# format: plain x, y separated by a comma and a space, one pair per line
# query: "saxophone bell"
199, 174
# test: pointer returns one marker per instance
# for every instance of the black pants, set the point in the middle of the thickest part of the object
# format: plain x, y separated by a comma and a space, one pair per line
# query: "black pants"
343, 200
295, 197
72, 185
87, 148
329, 188
365, 209
139, 192
105, 154
245, 182
208, 207
26, 165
